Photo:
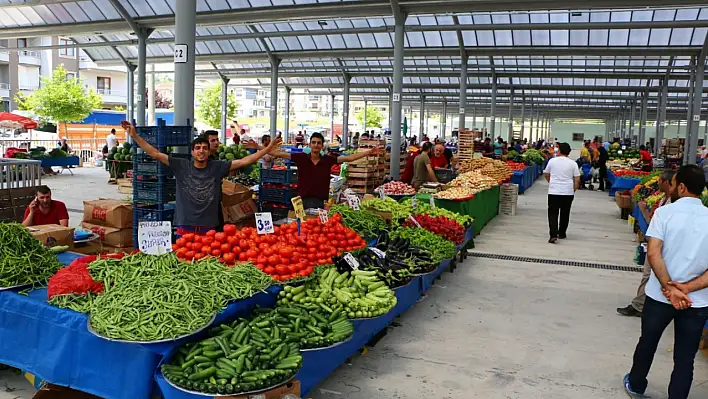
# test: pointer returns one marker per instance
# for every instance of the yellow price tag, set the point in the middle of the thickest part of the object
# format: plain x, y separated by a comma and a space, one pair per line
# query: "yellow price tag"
299, 210
630, 221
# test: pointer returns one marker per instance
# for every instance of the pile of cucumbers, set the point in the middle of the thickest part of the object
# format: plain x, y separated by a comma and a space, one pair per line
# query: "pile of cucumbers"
244, 356
310, 323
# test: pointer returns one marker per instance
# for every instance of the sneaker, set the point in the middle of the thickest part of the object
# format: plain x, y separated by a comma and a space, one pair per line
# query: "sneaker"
552, 240
629, 311
629, 390
562, 236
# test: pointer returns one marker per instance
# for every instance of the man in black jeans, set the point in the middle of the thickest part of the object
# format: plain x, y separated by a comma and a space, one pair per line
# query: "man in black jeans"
602, 166
563, 176
678, 286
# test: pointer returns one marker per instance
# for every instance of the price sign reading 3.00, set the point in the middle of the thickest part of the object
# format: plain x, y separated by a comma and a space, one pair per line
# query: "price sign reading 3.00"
264, 223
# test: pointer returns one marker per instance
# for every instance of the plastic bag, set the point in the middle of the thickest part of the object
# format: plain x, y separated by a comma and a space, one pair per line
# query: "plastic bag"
75, 279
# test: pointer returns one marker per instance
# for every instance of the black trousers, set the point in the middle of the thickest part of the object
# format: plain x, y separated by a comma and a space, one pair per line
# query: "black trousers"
688, 327
559, 204
312, 202
603, 176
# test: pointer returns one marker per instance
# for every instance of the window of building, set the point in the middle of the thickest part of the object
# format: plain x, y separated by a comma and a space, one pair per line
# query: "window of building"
66, 51
21, 43
578, 136
103, 84
70, 75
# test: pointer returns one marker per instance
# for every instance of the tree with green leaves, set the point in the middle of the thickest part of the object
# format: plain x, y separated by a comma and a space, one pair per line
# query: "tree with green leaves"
60, 98
210, 105
373, 117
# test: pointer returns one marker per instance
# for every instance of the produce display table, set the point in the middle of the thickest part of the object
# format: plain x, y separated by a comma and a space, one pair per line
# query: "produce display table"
525, 178
55, 345
637, 214
611, 177
623, 184
483, 207
64, 162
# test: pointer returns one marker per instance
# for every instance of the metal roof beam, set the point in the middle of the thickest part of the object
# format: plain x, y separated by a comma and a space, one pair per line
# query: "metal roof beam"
126, 16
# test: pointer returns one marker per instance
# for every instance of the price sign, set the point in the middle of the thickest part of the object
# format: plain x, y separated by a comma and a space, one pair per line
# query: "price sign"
382, 193
432, 202
299, 210
324, 218
414, 203
181, 53
264, 223
351, 261
381, 254
353, 201
414, 221
155, 238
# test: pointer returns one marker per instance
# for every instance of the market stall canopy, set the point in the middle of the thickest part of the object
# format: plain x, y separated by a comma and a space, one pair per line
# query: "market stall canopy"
13, 121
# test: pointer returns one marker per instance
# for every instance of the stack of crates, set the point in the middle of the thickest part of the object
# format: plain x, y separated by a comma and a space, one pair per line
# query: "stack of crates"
508, 197
154, 186
275, 190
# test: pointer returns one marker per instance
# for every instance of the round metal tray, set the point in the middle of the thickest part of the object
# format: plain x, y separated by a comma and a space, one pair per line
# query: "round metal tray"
16, 286
94, 332
404, 285
217, 395
329, 347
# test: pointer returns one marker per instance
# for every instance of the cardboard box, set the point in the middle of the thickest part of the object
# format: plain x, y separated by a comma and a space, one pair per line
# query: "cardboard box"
234, 193
239, 211
291, 388
51, 391
624, 200
97, 247
110, 213
111, 236
53, 234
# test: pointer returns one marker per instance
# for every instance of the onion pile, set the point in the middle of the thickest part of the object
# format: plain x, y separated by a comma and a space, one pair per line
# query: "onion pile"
397, 188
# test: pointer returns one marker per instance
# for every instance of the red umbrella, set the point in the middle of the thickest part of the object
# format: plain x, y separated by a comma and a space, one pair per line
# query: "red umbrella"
14, 121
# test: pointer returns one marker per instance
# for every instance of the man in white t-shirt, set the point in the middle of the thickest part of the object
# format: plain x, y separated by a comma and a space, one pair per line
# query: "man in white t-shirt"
678, 287
563, 178
111, 140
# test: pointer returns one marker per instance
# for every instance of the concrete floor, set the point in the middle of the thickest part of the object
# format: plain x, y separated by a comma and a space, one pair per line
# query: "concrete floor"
494, 329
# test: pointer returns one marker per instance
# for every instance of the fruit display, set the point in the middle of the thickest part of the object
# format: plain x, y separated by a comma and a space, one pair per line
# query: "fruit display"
440, 225
365, 223
121, 153
628, 154
24, 260
473, 180
231, 152
355, 293
284, 254
497, 170
397, 188
629, 173
653, 200
516, 166
648, 186
242, 356
439, 247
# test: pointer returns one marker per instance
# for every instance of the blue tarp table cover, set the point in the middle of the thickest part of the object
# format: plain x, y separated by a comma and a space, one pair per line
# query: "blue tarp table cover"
64, 161
525, 178
622, 184
610, 177
55, 345
426, 280
637, 214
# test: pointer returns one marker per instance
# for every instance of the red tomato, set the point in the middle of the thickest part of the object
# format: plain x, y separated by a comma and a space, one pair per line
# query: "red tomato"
189, 255
260, 266
263, 245
180, 242
251, 254
198, 255
273, 260
286, 252
225, 248
262, 259
175, 247
210, 233
236, 250
310, 269
292, 268
232, 240
229, 257
335, 243
311, 257
216, 252
281, 269
220, 237
303, 273
229, 229
269, 269
242, 257
205, 250
207, 240
188, 237
244, 244
215, 245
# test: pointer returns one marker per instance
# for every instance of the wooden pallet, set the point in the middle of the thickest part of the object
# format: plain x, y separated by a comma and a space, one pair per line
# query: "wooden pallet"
366, 175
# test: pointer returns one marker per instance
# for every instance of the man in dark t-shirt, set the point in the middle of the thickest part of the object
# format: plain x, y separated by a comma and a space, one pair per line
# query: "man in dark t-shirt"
313, 168
198, 180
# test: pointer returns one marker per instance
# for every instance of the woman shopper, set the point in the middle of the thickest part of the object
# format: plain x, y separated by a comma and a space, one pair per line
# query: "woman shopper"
602, 166
563, 177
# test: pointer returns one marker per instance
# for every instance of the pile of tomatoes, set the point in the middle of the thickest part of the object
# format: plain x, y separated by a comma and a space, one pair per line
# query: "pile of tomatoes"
284, 254
516, 166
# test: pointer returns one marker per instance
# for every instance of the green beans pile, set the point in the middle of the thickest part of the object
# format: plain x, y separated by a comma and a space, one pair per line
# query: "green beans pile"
150, 298
365, 223
23, 259
75, 302
421, 238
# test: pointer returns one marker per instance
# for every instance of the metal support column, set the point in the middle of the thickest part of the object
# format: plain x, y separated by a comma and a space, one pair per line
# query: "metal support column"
396, 119
531, 139
185, 28
286, 125
140, 97
474, 117
421, 120
693, 124
523, 110
443, 120
345, 112
463, 92
151, 96
484, 121
538, 123
623, 126
643, 118
661, 114
224, 107
274, 64
510, 119
632, 117
390, 107
130, 86
365, 111
493, 110
331, 119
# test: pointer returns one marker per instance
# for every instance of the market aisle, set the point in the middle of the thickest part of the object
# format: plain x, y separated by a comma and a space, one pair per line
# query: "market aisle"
596, 233
504, 330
